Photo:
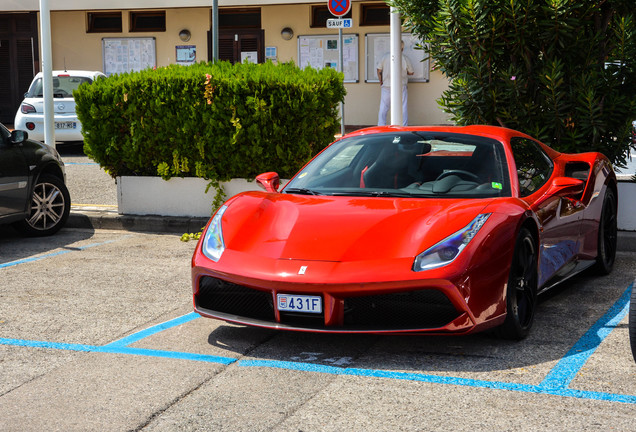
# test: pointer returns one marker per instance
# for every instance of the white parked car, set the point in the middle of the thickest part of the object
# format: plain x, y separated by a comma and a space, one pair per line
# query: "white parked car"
30, 116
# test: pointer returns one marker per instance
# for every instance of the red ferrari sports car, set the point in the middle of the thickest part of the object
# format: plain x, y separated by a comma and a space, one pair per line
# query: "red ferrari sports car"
398, 230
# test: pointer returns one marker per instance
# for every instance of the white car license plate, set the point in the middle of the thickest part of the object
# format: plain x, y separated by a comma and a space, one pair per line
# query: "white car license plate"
299, 303
65, 125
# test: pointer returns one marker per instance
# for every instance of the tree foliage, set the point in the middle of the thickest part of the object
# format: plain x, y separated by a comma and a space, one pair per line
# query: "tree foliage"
563, 71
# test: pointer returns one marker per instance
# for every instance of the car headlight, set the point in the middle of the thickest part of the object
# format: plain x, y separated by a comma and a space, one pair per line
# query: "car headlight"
213, 244
447, 250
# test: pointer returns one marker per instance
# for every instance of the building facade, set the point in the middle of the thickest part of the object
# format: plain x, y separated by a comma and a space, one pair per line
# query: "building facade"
133, 34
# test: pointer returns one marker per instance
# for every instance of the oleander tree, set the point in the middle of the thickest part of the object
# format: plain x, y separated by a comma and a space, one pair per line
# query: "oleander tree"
563, 71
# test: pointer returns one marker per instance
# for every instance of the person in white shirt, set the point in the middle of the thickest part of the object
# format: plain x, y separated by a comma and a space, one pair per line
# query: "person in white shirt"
384, 75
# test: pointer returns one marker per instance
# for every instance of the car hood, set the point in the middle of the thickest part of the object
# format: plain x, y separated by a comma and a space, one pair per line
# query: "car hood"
323, 228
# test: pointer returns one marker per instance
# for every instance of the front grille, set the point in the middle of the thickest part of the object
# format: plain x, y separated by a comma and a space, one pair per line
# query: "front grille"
221, 296
405, 310
311, 321
422, 309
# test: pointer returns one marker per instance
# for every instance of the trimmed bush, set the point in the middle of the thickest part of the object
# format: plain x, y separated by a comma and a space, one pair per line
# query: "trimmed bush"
215, 121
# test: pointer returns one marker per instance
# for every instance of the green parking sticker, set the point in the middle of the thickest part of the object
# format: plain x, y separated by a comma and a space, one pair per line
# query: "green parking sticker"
496, 185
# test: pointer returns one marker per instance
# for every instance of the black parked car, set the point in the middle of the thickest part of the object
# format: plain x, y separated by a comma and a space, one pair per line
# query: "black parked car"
33, 194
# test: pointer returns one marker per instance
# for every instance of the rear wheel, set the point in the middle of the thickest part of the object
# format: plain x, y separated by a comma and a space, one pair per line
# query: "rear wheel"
607, 234
50, 207
632, 323
521, 293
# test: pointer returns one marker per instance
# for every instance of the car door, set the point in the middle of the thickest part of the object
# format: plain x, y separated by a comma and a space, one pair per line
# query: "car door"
14, 176
560, 217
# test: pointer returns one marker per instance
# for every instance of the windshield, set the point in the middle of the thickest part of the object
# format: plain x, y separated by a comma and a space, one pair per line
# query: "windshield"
407, 164
63, 86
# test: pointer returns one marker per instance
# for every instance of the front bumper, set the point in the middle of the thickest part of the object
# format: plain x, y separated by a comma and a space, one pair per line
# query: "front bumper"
431, 305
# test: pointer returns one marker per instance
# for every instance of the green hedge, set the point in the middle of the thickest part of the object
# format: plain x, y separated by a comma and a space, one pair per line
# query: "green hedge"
216, 121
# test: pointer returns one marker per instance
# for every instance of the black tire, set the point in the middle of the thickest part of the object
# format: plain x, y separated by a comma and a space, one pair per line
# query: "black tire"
521, 292
50, 206
632, 322
607, 234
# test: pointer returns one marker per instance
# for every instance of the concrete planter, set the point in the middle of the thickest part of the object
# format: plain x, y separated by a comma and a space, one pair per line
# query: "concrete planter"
187, 197
626, 205
175, 197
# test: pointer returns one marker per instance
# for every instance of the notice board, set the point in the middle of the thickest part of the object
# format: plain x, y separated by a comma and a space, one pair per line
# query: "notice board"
128, 54
379, 44
320, 51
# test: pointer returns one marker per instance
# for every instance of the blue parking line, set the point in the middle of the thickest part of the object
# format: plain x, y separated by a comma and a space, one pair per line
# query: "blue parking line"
167, 354
57, 253
152, 330
118, 350
568, 367
555, 383
438, 379
32, 259
47, 345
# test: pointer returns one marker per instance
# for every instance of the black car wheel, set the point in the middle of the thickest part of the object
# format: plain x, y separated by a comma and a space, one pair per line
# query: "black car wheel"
521, 294
632, 323
607, 234
50, 207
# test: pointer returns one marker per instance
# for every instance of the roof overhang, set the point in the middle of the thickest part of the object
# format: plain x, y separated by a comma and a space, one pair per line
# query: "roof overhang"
61, 5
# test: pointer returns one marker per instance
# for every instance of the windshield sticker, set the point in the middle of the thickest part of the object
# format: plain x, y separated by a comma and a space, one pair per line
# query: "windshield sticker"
496, 185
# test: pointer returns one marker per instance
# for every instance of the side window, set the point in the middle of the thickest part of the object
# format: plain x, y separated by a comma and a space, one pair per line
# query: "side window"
533, 165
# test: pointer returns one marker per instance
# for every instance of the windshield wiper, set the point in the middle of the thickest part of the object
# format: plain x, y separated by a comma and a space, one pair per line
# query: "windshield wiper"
301, 191
374, 194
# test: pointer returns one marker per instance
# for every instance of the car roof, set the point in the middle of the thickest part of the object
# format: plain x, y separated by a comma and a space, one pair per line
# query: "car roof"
498, 133
77, 73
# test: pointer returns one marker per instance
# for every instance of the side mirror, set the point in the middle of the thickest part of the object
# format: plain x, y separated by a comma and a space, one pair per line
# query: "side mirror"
566, 186
18, 136
270, 181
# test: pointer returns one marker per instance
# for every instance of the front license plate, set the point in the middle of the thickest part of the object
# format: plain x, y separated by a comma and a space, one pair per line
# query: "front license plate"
65, 125
299, 303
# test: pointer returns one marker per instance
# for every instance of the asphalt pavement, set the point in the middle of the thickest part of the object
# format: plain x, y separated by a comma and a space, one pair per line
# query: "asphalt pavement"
97, 333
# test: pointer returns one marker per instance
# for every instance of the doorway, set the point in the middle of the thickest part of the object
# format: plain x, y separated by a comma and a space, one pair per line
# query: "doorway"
236, 46
240, 36
19, 60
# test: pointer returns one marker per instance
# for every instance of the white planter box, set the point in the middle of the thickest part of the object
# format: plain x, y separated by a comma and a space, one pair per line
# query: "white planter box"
627, 206
174, 197
187, 197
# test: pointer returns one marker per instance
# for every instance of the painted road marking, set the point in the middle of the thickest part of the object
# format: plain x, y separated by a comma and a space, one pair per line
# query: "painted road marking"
57, 253
556, 382
568, 367
135, 337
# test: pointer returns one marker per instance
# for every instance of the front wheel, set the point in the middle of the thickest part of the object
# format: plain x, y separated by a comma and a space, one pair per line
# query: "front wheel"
50, 206
521, 293
632, 323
